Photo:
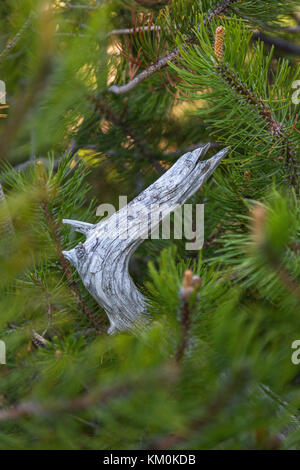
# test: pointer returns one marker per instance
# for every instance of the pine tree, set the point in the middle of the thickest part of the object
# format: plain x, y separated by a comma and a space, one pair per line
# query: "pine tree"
102, 97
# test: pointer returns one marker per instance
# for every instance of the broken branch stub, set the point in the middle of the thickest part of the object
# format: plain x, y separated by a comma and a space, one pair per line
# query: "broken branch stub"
102, 260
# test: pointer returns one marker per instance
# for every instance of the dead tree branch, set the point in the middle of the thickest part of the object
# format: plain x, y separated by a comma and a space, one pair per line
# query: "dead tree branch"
153, 68
133, 30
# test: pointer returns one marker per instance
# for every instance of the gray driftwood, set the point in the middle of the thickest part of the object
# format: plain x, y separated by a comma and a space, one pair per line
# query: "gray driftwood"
102, 260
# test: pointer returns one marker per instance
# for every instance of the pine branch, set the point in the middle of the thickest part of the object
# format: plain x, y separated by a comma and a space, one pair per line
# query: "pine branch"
28, 409
291, 166
55, 230
190, 285
153, 68
275, 128
170, 57
259, 216
133, 30
30, 163
120, 122
291, 285
152, 3
166, 374
13, 42
48, 304
6, 227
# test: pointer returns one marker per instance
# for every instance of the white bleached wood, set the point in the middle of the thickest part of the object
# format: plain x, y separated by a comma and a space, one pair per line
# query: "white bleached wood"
102, 260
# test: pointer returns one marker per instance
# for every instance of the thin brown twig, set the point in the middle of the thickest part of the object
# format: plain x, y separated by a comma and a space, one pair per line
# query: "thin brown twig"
171, 56
47, 299
167, 375
190, 285
53, 225
85, 401
292, 286
275, 128
185, 323
35, 87
153, 68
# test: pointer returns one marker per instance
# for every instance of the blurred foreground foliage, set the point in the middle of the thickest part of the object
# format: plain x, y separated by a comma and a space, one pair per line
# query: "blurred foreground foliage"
214, 370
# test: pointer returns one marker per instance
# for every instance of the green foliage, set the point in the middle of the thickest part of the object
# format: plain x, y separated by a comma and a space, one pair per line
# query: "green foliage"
227, 108
214, 369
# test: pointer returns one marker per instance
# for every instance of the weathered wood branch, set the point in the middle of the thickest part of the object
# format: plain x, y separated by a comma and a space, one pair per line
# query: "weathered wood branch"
155, 67
134, 30
103, 259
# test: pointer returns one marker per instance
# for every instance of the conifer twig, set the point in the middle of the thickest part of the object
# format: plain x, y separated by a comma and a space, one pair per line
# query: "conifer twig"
153, 68
6, 226
25, 409
275, 128
13, 42
48, 304
167, 374
185, 323
119, 121
258, 235
37, 85
287, 279
133, 30
53, 225
190, 284
29, 163
170, 57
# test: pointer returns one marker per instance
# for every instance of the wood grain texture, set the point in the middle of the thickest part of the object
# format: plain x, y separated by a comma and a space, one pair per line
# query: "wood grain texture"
102, 260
